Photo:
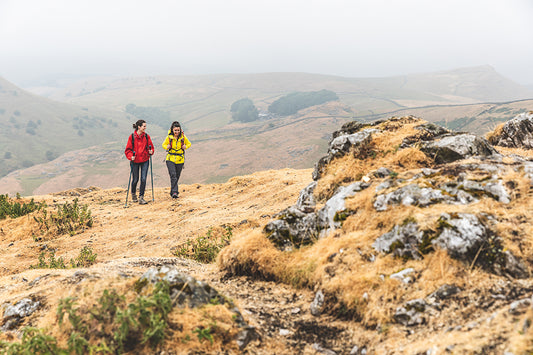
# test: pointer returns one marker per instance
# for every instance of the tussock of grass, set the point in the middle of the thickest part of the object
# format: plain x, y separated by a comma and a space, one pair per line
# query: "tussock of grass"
497, 131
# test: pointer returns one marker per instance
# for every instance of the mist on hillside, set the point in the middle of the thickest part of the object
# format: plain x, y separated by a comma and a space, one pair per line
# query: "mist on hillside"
46, 43
74, 136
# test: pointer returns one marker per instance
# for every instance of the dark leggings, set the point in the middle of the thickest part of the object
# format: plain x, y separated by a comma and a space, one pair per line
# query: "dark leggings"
135, 172
174, 170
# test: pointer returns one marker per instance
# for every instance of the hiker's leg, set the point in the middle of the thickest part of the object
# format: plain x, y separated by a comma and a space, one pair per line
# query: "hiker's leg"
179, 168
144, 174
171, 167
135, 178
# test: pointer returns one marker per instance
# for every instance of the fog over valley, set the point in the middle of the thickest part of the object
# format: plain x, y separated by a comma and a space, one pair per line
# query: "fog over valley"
41, 41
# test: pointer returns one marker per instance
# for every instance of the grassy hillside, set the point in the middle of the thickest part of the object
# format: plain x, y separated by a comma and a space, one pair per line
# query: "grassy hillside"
36, 130
204, 101
222, 148
293, 142
216, 155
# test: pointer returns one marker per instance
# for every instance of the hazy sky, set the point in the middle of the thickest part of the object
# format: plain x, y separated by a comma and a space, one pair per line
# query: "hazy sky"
355, 38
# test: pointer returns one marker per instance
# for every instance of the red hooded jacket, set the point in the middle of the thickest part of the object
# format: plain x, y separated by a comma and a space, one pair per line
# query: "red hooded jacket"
142, 144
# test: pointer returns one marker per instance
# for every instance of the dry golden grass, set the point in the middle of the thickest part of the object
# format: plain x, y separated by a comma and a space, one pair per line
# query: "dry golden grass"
497, 131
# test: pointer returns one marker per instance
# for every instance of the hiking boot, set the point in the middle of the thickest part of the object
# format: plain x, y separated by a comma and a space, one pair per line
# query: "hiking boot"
134, 197
142, 201
174, 195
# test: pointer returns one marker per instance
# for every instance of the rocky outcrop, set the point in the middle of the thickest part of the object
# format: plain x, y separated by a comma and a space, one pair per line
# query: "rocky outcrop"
422, 190
454, 147
515, 133
403, 241
351, 136
466, 237
300, 225
13, 314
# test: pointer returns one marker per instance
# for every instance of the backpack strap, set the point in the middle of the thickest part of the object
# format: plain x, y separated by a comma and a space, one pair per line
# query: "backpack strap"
133, 143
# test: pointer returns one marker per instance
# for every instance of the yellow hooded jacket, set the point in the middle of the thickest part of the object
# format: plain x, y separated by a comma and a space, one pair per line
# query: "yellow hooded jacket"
177, 151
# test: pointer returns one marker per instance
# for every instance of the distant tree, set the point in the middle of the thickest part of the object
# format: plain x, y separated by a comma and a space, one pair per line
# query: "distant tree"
244, 110
50, 155
292, 103
7, 155
2, 111
80, 133
30, 130
16, 113
27, 163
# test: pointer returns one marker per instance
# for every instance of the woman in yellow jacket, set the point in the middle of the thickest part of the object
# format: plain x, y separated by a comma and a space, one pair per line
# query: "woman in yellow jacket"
175, 144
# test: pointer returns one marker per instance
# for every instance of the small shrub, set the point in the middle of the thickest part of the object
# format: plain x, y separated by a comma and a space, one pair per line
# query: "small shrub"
205, 248
15, 209
34, 341
204, 334
53, 263
86, 258
69, 218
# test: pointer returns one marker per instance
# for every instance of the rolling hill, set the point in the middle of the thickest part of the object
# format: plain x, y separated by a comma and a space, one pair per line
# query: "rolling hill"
223, 148
203, 101
37, 130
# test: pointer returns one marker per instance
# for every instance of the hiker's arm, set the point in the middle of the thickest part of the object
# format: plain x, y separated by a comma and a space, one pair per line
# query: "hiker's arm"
187, 142
165, 144
129, 151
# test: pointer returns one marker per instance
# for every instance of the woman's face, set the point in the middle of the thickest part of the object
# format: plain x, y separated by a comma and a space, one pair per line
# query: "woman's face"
176, 131
142, 128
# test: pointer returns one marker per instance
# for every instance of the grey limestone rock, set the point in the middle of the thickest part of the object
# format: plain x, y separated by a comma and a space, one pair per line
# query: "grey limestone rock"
455, 147
317, 304
402, 241
516, 133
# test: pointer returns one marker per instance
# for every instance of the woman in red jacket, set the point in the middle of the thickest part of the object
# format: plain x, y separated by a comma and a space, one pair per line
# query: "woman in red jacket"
138, 151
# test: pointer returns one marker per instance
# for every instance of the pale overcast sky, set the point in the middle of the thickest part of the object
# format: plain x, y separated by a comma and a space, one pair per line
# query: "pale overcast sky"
354, 38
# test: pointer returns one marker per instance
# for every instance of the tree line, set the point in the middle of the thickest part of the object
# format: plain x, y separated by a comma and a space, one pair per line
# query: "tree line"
244, 110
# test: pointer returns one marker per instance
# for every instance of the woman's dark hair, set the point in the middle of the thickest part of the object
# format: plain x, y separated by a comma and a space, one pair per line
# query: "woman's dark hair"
174, 125
138, 124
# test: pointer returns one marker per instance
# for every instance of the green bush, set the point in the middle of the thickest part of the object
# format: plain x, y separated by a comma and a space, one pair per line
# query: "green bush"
15, 209
53, 263
205, 248
86, 258
68, 218
109, 327
292, 103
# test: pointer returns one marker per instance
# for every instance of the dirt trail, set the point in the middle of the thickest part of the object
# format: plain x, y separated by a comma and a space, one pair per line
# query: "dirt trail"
131, 239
